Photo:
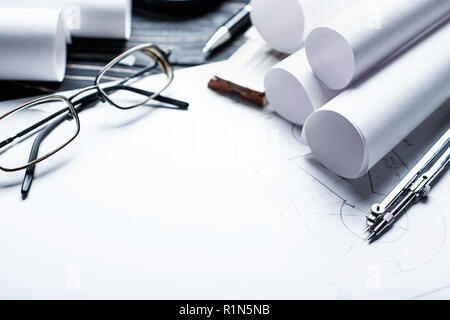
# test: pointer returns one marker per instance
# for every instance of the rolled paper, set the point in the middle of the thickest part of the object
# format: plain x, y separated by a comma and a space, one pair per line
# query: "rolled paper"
346, 47
355, 130
284, 23
293, 90
109, 19
32, 44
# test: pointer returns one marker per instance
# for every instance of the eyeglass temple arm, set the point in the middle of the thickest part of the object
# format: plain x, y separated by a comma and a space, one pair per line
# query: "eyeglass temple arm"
29, 174
83, 103
177, 103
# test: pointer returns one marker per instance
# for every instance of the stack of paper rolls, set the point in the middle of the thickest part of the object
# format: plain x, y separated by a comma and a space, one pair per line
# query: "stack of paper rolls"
356, 129
294, 91
378, 69
32, 44
401, 23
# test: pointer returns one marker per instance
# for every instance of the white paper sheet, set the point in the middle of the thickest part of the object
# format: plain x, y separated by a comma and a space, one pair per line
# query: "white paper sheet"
359, 127
32, 44
88, 18
293, 90
284, 23
346, 47
218, 202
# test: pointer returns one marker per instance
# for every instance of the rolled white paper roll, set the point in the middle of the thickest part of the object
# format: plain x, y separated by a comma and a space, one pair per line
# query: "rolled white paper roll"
284, 23
32, 44
353, 42
359, 127
109, 19
294, 91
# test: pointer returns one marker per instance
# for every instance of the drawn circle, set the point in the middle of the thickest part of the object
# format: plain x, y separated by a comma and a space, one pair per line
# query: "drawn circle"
402, 249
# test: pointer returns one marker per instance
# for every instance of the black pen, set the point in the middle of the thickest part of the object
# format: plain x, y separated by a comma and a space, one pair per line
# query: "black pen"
230, 28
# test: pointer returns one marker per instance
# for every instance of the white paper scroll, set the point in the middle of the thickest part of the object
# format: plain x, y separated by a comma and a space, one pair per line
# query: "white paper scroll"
32, 44
88, 18
293, 90
355, 130
350, 44
284, 23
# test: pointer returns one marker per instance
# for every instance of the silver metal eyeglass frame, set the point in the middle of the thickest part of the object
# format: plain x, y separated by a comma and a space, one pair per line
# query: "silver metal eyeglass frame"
160, 58
72, 112
157, 54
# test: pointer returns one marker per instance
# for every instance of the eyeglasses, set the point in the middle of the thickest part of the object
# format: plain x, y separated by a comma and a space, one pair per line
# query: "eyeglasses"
47, 125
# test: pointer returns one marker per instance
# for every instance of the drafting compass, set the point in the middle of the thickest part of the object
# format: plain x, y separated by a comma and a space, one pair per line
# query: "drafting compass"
414, 187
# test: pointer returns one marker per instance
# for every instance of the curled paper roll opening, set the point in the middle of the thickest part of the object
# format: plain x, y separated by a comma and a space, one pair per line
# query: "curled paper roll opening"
280, 23
109, 19
291, 101
32, 44
294, 91
348, 46
337, 143
355, 130
331, 57
283, 24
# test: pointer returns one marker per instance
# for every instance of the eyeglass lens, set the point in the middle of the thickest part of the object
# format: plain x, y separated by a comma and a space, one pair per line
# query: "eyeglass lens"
129, 71
19, 130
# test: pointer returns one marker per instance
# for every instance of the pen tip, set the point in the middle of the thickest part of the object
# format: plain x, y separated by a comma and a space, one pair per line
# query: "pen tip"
205, 50
24, 195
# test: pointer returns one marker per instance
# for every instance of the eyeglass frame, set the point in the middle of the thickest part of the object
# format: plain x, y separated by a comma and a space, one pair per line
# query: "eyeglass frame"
37, 101
157, 54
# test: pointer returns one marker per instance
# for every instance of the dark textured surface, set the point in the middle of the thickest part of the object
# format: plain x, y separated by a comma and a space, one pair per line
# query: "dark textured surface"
184, 36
